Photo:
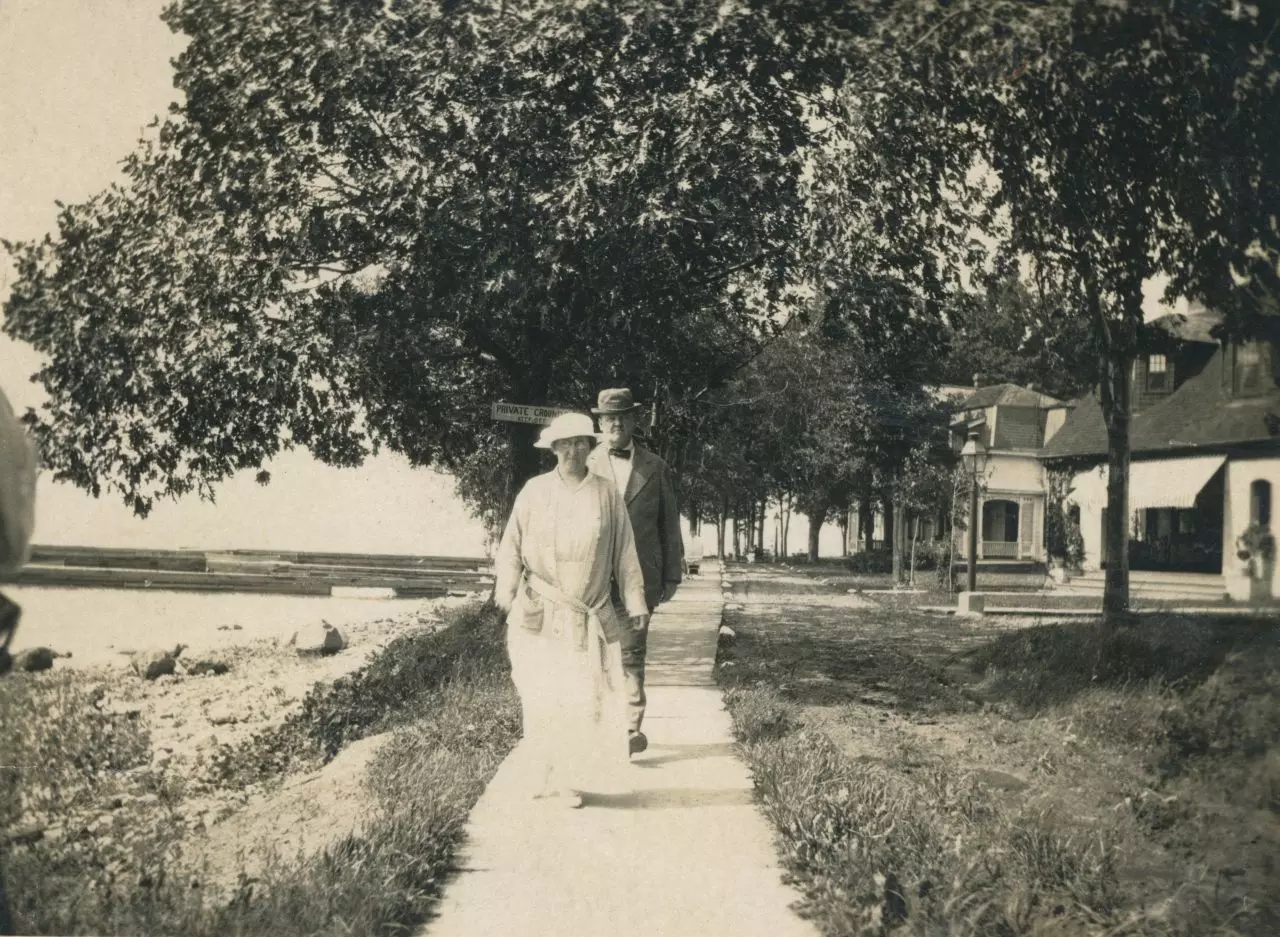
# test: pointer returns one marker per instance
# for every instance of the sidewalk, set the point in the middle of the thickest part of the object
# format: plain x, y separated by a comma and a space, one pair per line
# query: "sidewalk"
686, 855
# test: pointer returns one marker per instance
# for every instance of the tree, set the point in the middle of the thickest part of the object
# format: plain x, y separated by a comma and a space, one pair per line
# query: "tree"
1018, 334
1107, 139
366, 221
814, 419
1128, 139
925, 484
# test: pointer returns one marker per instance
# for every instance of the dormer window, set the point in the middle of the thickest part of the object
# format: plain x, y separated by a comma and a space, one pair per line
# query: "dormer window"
1157, 372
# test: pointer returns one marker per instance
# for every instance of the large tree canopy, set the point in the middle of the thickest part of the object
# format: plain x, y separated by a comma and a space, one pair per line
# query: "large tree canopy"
1110, 150
1023, 334
369, 220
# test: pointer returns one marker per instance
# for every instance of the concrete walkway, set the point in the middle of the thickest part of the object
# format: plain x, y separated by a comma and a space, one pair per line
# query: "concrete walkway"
686, 855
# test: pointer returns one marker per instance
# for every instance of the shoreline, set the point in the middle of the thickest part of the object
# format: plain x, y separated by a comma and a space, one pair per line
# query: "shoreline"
188, 716
102, 627
191, 719
201, 803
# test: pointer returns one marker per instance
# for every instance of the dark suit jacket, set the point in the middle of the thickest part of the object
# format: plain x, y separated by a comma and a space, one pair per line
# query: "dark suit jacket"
655, 518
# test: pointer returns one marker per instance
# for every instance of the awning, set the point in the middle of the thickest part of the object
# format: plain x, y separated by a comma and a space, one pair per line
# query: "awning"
1170, 483
1158, 483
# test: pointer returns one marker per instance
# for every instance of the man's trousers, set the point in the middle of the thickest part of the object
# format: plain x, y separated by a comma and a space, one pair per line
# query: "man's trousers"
635, 643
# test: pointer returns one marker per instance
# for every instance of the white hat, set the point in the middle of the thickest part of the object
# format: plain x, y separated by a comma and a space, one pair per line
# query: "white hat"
566, 426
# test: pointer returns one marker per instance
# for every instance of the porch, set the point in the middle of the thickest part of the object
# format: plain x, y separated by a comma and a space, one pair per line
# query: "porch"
1011, 529
1176, 516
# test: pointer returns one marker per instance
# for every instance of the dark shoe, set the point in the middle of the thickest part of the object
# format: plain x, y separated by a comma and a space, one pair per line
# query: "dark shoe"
637, 742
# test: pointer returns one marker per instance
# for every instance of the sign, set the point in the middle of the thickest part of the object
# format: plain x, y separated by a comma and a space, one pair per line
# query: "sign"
526, 413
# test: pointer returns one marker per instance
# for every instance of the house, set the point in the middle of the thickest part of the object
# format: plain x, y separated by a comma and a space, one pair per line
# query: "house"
1205, 457
1013, 423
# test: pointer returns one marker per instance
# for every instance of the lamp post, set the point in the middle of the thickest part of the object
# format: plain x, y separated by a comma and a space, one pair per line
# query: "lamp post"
973, 455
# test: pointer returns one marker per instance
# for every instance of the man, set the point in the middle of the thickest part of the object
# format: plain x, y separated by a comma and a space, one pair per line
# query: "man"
644, 482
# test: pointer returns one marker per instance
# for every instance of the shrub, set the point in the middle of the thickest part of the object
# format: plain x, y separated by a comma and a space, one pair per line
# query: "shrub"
930, 555
870, 561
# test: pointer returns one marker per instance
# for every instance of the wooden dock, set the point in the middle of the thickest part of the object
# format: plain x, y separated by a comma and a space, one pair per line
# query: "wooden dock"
260, 571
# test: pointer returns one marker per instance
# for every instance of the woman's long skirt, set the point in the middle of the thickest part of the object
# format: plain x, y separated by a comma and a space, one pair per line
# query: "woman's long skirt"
574, 709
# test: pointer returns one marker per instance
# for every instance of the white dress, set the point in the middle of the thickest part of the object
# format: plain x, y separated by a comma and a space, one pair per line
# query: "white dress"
576, 537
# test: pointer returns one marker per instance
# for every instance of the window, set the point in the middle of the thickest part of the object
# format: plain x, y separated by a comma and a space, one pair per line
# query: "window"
1157, 372
1260, 502
1248, 369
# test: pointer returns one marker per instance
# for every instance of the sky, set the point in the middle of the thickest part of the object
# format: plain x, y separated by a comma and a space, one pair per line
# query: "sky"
79, 80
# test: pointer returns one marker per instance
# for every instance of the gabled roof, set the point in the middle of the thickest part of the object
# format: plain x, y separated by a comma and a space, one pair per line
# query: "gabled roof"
1200, 413
1008, 395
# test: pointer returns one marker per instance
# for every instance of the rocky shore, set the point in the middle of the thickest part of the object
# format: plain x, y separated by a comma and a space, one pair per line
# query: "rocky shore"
194, 703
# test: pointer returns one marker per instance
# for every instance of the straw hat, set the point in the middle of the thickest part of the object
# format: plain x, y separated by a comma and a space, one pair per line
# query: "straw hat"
566, 426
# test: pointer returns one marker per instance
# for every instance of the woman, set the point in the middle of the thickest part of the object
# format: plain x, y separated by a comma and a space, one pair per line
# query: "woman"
567, 540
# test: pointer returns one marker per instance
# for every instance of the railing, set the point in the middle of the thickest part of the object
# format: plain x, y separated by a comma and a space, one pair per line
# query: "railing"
859, 545
1000, 549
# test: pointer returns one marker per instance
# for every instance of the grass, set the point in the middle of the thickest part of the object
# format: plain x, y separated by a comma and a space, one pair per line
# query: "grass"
378, 697
927, 589
927, 778
446, 696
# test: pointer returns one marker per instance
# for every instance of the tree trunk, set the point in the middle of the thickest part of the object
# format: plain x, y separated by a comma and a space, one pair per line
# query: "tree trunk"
524, 462
952, 529
759, 528
786, 524
867, 521
844, 533
815, 531
721, 524
897, 543
1115, 412
777, 531
887, 501
915, 533
1117, 342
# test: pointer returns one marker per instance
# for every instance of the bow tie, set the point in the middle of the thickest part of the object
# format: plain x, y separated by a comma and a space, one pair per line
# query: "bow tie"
620, 453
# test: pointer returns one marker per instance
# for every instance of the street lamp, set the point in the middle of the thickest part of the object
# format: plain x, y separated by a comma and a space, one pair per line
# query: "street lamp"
973, 456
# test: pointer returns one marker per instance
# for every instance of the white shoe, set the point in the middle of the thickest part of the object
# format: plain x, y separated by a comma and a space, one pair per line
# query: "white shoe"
571, 800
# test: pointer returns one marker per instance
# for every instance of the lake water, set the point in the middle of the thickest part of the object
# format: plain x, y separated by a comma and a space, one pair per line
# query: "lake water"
97, 625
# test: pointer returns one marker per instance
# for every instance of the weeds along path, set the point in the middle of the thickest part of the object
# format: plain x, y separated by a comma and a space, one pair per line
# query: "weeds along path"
679, 849
1009, 776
